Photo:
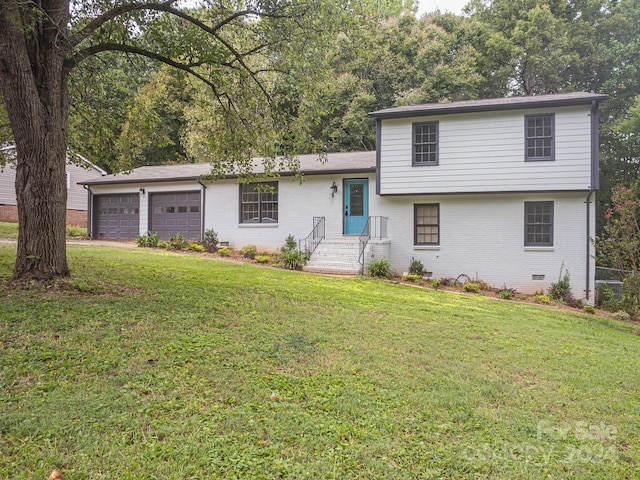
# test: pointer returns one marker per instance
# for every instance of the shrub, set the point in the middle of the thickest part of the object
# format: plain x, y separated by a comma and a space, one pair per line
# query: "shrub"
289, 244
210, 240
589, 309
177, 242
561, 290
248, 251
262, 258
164, 245
606, 297
416, 267
149, 239
622, 315
541, 298
224, 251
436, 283
506, 293
195, 247
73, 231
380, 267
412, 277
293, 259
471, 287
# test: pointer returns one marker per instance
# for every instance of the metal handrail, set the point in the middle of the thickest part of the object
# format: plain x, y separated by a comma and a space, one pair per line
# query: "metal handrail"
314, 238
375, 227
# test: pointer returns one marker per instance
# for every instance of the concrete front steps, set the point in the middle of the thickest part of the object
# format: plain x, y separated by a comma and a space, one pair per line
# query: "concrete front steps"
338, 256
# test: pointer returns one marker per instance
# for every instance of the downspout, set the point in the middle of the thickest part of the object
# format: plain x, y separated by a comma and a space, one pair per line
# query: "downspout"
89, 210
204, 197
588, 243
595, 185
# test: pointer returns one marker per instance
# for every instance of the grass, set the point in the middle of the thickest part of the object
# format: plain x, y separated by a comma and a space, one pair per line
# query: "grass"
8, 230
149, 364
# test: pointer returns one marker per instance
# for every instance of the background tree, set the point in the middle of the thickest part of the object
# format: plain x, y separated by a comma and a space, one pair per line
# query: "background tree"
235, 49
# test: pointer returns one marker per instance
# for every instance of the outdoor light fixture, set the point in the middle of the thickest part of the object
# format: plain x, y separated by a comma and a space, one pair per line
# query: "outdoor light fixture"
142, 190
334, 189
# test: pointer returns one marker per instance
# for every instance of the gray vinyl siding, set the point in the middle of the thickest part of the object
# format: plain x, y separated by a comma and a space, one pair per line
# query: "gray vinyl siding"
484, 152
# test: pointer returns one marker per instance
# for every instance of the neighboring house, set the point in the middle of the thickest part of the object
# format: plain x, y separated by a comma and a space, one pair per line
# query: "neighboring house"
501, 190
79, 171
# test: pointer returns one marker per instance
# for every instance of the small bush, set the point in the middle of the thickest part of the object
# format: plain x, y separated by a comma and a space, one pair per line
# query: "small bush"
195, 247
293, 259
542, 298
177, 242
589, 309
149, 239
561, 290
471, 287
622, 315
164, 245
210, 240
507, 293
289, 244
416, 267
75, 231
380, 267
262, 258
412, 277
249, 251
436, 283
224, 251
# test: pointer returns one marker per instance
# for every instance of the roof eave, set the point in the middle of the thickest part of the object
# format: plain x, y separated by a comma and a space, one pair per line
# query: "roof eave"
447, 110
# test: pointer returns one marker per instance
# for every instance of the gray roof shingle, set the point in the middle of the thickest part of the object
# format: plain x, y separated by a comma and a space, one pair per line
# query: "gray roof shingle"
348, 162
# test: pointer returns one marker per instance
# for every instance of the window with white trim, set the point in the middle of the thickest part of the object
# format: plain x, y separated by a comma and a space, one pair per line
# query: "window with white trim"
538, 224
539, 137
426, 218
259, 202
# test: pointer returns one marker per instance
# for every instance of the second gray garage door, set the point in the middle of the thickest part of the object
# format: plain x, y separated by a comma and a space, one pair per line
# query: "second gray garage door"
173, 213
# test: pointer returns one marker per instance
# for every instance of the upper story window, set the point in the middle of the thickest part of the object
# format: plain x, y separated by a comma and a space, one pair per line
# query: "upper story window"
426, 221
538, 224
425, 143
539, 137
259, 202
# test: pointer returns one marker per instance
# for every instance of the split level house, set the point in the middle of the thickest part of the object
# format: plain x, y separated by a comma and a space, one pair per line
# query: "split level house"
78, 169
500, 190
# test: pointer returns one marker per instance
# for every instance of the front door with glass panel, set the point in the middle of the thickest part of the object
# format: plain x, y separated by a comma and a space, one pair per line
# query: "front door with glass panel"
356, 206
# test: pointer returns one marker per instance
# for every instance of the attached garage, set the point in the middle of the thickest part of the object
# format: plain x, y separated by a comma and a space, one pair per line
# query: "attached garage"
116, 217
176, 212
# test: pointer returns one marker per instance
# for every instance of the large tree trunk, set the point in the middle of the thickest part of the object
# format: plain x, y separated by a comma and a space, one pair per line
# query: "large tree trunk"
35, 89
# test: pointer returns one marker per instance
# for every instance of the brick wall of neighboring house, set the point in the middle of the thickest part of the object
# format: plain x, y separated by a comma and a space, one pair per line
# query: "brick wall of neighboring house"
9, 213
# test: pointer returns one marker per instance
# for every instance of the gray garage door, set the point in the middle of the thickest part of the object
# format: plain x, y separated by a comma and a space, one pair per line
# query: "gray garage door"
176, 213
116, 217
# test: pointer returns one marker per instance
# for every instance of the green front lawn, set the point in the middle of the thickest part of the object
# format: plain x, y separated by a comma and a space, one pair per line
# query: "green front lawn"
150, 364
8, 230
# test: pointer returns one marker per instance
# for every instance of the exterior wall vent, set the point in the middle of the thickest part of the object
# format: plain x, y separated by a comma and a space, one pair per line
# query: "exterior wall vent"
537, 277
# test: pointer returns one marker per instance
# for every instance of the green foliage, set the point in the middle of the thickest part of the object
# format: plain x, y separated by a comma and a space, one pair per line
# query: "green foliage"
471, 287
149, 239
561, 290
289, 244
177, 242
436, 283
195, 247
249, 251
589, 309
163, 244
506, 293
416, 267
73, 231
224, 251
262, 258
293, 259
210, 240
380, 267
542, 298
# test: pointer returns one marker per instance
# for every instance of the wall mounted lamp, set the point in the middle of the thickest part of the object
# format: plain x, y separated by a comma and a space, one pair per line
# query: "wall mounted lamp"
334, 189
142, 191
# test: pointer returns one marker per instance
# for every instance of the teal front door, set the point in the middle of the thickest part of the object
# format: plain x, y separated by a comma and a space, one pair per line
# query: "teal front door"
356, 206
